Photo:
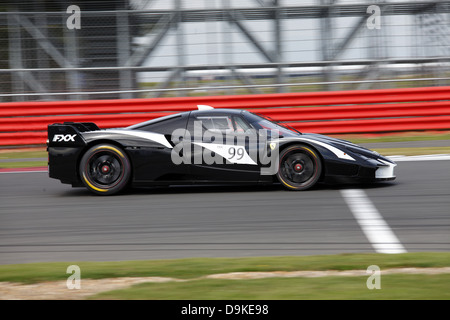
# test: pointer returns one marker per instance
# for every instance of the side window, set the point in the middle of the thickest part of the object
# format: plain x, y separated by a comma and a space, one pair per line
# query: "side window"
166, 126
207, 122
221, 124
240, 125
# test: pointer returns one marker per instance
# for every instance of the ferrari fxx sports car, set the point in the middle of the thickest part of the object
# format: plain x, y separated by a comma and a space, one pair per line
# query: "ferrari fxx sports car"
205, 146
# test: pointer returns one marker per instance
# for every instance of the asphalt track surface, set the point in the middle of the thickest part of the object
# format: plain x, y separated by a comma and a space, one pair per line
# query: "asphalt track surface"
44, 220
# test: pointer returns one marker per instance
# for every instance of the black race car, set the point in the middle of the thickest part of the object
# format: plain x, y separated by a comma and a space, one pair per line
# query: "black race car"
205, 146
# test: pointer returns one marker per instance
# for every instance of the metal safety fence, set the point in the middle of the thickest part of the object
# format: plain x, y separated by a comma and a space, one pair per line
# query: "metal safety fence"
147, 49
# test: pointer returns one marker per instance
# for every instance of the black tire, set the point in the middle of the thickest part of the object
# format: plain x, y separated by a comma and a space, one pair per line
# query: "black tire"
105, 169
299, 168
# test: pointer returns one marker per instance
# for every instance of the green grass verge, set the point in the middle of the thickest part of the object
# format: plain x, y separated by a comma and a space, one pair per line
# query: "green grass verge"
358, 139
412, 151
23, 154
22, 164
400, 286
394, 138
19, 154
197, 267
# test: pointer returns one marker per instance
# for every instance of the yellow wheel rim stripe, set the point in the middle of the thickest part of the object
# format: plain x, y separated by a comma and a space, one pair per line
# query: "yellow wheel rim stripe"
110, 148
84, 176
288, 183
93, 187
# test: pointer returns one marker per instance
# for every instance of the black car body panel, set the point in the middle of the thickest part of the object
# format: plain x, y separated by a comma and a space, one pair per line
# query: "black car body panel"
152, 145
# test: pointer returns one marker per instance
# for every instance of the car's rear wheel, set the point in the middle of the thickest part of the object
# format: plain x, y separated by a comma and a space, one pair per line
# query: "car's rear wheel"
105, 169
299, 168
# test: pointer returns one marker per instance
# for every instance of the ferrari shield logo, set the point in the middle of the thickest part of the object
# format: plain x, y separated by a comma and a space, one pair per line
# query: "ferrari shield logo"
272, 145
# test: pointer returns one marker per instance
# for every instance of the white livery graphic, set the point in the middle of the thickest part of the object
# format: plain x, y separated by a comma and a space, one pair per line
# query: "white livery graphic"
64, 137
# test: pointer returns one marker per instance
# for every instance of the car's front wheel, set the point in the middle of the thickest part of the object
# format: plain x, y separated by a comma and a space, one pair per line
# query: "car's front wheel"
299, 168
105, 169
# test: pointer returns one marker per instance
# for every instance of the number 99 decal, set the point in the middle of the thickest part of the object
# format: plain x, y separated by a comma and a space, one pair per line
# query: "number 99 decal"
236, 153
233, 154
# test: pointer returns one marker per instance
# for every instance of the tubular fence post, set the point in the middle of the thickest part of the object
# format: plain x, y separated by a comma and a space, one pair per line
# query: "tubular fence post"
73, 77
15, 57
124, 51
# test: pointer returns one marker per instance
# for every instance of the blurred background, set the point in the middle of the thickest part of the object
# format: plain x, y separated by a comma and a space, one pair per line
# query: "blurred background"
50, 50
72, 51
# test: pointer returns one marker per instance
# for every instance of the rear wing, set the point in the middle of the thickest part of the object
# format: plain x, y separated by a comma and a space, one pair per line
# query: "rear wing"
68, 134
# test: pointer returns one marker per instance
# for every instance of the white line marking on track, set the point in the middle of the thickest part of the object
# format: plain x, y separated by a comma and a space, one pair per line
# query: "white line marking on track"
377, 231
430, 157
23, 170
34, 171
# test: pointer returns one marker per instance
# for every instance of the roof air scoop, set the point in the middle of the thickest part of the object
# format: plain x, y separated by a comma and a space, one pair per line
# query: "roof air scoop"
204, 107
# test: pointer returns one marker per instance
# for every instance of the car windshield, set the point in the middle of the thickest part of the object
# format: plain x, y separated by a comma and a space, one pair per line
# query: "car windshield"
264, 122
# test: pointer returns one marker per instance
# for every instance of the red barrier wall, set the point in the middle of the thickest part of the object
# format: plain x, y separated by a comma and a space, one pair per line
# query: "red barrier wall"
338, 112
